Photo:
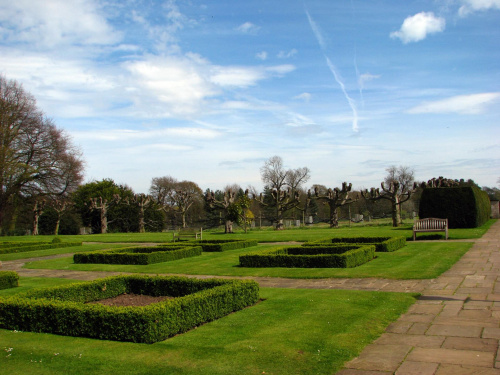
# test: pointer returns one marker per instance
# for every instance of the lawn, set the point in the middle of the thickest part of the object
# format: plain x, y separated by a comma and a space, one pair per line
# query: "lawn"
417, 260
297, 331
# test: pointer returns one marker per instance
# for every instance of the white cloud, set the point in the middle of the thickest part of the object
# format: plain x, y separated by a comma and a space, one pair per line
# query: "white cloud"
305, 96
124, 135
462, 104
55, 22
287, 55
261, 55
237, 76
363, 78
470, 6
417, 27
248, 28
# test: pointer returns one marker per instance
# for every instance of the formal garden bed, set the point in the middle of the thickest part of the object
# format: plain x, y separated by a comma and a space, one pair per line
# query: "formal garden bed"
141, 255
382, 244
67, 310
19, 247
313, 256
223, 245
8, 279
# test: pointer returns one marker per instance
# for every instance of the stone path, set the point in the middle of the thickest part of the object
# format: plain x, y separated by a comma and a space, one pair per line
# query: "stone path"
454, 328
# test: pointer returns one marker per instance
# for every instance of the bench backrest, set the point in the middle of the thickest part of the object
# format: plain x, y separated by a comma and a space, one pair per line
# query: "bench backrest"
431, 223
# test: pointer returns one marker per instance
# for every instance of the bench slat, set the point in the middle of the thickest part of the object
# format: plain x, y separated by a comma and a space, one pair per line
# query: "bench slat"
430, 225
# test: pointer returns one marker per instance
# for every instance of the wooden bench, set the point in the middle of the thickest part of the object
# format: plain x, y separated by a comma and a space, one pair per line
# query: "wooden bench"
188, 233
430, 225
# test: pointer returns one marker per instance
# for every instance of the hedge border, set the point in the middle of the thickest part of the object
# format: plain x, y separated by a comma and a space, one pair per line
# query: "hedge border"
382, 244
139, 255
9, 279
333, 256
63, 310
26, 246
224, 245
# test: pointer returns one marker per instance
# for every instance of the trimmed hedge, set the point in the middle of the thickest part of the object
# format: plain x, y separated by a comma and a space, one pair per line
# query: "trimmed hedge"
464, 207
139, 255
223, 245
8, 279
327, 256
64, 310
20, 247
382, 244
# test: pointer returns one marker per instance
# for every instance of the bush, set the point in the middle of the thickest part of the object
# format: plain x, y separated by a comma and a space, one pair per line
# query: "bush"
464, 207
8, 279
223, 245
64, 310
19, 247
382, 244
139, 255
319, 256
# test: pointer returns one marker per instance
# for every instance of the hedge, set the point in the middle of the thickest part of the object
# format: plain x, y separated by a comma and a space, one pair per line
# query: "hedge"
223, 245
382, 244
464, 207
20, 247
8, 279
327, 256
139, 255
64, 310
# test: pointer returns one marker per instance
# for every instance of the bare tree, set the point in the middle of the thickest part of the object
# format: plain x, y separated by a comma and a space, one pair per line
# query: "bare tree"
38, 210
102, 205
335, 199
284, 185
397, 188
36, 158
60, 205
223, 204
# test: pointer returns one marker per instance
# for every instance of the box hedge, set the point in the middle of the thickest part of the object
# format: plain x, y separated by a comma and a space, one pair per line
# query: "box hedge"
223, 245
19, 247
139, 255
8, 279
464, 207
382, 244
319, 256
64, 310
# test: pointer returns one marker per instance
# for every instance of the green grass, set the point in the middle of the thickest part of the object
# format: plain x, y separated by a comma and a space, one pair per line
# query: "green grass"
376, 228
292, 331
420, 260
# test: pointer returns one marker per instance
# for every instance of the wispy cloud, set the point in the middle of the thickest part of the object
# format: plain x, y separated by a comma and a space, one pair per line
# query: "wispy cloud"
248, 28
287, 55
261, 55
470, 6
305, 96
333, 69
417, 27
462, 104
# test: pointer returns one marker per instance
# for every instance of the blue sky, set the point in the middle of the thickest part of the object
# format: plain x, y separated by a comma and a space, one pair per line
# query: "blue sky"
208, 90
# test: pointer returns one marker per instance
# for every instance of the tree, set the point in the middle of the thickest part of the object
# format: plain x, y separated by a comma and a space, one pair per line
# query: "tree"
176, 197
335, 199
223, 204
36, 158
284, 187
397, 188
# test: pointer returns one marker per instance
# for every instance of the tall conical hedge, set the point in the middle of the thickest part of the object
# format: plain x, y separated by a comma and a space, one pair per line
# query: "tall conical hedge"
464, 207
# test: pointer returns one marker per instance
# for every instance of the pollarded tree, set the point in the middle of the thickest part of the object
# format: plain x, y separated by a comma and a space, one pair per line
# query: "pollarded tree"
335, 199
284, 185
223, 204
397, 189
36, 158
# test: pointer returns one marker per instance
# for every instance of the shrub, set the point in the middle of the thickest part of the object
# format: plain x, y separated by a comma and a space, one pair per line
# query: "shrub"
223, 245
19, 247
319, 256
464, 207
139, 255
382, 244
8, 279
64, 310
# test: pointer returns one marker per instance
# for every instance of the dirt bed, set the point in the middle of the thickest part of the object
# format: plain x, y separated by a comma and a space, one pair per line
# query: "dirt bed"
131, 299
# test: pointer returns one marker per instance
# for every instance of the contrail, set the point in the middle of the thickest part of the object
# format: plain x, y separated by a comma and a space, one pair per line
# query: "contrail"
333, 69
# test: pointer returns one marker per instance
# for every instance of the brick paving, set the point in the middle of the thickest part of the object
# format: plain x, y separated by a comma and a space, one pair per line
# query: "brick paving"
453, 329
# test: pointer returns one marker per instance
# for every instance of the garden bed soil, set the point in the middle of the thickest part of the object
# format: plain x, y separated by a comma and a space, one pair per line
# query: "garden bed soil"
131, 299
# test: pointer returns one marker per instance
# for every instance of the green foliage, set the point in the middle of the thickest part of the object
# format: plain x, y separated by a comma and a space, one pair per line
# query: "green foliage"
319, 256
139, 255
56, 240
382, 244
64, 310
8, 279
464, 207
18, 247
223, 245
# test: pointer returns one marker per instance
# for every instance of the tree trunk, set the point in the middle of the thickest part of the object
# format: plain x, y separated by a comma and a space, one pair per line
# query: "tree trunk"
184, 220
334, 217
228, 228
142, 225
396, 218
56, 231
104, 220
